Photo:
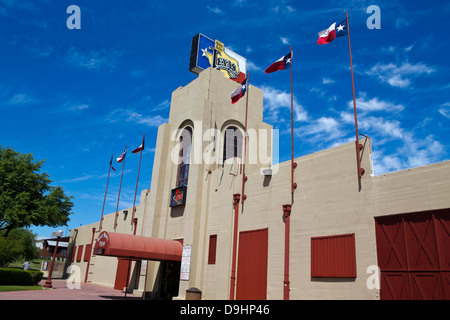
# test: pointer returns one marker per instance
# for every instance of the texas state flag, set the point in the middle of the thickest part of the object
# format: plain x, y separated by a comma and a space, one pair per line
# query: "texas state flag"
281, 64
239, 92
122, 156
141, 147
333, 32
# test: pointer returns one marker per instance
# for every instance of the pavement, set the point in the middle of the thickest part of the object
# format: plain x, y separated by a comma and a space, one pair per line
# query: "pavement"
60, 291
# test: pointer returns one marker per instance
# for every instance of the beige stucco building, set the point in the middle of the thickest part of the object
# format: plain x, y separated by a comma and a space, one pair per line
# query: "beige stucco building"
341, 227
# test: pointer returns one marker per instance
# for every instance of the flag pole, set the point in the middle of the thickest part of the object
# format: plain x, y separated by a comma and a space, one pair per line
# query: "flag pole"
237, 197
358, 146
137, 181
244, 153
287, 208
293, 165
106, 190
120, 186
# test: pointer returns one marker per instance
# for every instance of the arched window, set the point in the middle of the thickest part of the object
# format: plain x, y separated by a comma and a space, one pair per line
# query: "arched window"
184, 155
232, 146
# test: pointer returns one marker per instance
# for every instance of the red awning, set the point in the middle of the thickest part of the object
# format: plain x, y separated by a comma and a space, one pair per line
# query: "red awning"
129, 246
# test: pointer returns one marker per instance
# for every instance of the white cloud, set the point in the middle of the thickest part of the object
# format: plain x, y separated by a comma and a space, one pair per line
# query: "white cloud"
137, 73
327, 81
215, 10
44, 51
324, 129
412, 152
14, 4
421, 152
78, 179
276, 100
78, 107
284, 40
395, 147
290, 9
21, 98
385, 163
401, 22
252, 67
129, 115
374, 104
445, 110
399, 75
94, 59
378, 126
239, 3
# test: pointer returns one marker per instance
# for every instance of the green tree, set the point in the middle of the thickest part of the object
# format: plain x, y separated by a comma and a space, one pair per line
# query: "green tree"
26, 196
10, 250
20, 243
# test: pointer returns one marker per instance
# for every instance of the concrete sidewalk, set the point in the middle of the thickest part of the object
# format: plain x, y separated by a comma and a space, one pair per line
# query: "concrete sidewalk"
61, 292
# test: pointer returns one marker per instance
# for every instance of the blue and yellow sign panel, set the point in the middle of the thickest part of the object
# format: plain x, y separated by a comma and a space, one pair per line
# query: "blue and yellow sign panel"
206, 53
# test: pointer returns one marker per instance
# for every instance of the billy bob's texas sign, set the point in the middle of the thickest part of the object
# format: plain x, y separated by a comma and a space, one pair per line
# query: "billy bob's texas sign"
206, 53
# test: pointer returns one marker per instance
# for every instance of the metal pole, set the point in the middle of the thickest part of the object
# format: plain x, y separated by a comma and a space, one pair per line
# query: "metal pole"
48, 283
236, 198
137, 181
293, 185
358, 146
128, 276
90, 255
244, 153
104, 199
286, 282
120, 186
145, 283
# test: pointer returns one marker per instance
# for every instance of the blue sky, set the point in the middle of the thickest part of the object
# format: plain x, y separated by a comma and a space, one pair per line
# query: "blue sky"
74, 97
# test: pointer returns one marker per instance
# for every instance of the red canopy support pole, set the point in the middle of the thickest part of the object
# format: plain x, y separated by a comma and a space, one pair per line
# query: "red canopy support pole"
286, 218
236, 199
128, 276
145, 283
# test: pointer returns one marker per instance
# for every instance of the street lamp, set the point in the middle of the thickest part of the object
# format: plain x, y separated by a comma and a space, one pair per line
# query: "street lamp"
48, 283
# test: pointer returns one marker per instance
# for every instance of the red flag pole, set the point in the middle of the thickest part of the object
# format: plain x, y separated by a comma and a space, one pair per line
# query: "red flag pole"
137, 181
236, 198
293, 164
286, 217
358, 146
244, 153
106, 190
120, 186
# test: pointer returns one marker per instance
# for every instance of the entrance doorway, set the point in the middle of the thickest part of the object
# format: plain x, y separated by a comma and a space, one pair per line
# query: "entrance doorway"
170, 279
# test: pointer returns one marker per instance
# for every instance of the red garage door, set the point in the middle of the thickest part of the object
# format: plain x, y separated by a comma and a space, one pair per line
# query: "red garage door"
252, 265
414, 255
